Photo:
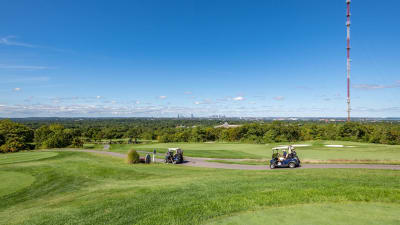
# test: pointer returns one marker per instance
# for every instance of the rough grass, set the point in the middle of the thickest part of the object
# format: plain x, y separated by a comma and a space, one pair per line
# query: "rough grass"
84, 188
327, 214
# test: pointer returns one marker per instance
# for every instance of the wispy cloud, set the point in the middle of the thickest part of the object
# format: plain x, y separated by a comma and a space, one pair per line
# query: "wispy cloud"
238, 98
17, 89
22, 67
162, 97
10, 41
204, 102
279, 98
23, 79
376, 86
188, 93
94, 110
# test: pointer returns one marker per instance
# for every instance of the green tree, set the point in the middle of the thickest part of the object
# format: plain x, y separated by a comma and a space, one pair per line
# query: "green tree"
134, 133
55, 136
14, 136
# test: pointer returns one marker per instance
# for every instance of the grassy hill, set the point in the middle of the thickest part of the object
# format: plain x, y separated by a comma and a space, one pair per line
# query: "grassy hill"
84, 188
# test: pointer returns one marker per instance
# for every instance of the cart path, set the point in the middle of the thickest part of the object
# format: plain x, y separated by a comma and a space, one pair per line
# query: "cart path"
202, 162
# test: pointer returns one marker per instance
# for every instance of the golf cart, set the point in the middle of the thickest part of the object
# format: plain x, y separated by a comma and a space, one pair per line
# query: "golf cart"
174, 156
288, 158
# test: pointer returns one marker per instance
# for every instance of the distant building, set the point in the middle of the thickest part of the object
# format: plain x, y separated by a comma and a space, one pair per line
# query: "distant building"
226, 125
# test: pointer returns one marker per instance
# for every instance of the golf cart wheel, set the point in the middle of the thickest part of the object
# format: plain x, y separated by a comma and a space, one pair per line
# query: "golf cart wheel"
292, 165
272, 166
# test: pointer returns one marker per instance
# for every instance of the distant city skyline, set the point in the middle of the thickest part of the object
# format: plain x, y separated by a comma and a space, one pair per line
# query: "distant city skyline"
197, 58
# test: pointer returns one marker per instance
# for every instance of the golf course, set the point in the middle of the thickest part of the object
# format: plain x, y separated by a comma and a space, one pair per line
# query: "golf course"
310, 152
76, 187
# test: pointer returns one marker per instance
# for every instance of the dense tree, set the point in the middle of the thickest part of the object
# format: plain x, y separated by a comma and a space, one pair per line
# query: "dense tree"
56, 136
201, 130
133, 133
14, 136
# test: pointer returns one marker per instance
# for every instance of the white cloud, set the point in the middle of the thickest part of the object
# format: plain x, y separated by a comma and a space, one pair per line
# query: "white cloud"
22, 67
376, 86
6, 80
279, 98
162, 97
204, 102
238, 98
10, 41
98, 97
17, 89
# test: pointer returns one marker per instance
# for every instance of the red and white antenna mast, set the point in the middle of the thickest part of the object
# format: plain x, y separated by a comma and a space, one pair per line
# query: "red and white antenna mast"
348, 59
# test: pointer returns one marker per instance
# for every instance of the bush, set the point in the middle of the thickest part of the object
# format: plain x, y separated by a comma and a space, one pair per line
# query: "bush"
132, 157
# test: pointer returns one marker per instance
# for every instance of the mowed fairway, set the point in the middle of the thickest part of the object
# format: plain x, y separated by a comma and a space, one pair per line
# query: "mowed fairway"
24, 157
86, 188
316, 151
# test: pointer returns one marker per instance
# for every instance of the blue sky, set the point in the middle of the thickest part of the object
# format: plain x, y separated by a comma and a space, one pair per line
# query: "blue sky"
164, 58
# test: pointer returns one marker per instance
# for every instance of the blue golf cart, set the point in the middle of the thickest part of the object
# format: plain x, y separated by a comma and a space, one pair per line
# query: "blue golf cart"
284, 160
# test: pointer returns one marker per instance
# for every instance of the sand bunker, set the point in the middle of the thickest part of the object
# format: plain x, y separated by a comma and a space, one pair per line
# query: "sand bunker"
334, 146
303, 145
281, 147
286, 146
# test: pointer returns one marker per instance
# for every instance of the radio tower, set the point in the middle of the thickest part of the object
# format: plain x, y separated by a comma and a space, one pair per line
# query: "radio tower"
348, 60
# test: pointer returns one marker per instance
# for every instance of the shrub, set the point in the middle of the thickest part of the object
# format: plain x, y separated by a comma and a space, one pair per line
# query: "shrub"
132, 157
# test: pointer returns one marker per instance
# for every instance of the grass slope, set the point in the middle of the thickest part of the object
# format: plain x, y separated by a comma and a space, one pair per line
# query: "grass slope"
84, 188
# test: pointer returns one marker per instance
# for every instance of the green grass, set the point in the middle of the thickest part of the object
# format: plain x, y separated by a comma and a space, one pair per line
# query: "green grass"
327, 214
93, 146
24, 156
244, 162
13, 181
85, 188
361, 152
266, 162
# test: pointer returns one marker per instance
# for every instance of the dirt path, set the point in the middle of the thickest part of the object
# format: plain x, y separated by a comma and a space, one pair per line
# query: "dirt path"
202, 162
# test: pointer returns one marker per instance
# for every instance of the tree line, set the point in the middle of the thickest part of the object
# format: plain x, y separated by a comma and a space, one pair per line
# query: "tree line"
15, 137
383, 133
61, 133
